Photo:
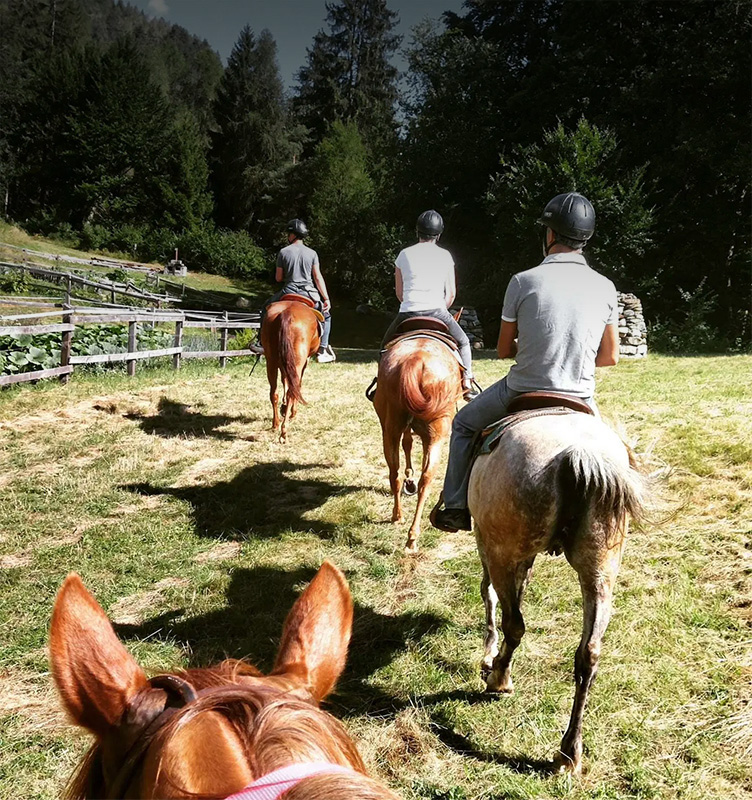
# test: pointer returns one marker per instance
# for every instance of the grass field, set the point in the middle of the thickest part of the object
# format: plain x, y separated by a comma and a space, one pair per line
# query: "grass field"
196, 529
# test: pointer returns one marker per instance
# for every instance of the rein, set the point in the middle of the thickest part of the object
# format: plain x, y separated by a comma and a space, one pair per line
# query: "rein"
274, 784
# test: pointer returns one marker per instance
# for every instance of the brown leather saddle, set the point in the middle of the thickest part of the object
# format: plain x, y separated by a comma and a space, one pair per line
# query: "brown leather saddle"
425, 328
300, 298
526, 406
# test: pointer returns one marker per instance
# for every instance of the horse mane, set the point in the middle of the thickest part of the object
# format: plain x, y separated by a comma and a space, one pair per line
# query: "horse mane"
274, 727
425, 396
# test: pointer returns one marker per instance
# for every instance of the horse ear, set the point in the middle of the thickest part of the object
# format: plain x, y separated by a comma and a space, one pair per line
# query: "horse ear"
94, 673
317, 632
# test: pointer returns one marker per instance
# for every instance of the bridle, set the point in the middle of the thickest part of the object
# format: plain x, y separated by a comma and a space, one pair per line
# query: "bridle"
179, 694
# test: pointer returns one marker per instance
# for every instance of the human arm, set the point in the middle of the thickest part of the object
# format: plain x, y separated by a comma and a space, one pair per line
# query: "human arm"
608, 349
398, 287
279, 275
506, 347
450, 287
318, 279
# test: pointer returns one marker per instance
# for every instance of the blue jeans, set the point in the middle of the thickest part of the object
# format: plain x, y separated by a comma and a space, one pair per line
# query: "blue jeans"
466, 353
489, 407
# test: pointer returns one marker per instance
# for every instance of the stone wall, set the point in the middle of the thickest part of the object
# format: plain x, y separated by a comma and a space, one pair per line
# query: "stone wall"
633, 341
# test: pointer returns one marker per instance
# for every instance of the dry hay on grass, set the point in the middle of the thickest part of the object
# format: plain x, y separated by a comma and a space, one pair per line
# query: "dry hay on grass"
33, 699
224, 551
132, 610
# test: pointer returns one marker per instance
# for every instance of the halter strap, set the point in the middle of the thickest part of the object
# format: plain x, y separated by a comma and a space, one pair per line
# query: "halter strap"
274, 784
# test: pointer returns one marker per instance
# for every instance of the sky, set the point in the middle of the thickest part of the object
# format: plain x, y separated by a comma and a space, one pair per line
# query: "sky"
293, 23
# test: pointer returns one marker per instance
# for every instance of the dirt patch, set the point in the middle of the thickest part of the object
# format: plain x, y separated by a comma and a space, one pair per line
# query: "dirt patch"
132, 610
14, 560
221, 552
202, 470
37, 702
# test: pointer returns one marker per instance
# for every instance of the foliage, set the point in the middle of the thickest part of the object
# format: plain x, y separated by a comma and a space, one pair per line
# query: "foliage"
355, 247
583, 160
253, 145
23, 352
348, 75
225, 252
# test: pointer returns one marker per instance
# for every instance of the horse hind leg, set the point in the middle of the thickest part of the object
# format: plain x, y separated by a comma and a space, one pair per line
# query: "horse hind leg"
432, 439
271, 374
509, 583
597, 567
409, 487
491, 641
391, 433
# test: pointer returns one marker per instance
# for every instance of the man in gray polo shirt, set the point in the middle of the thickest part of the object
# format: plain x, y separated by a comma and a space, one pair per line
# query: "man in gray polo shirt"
559, 322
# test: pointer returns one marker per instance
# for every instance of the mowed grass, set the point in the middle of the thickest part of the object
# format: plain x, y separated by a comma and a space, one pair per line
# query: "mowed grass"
195, 529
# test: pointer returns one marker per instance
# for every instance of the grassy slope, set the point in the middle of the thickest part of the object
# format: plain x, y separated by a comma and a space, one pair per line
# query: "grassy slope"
195, 529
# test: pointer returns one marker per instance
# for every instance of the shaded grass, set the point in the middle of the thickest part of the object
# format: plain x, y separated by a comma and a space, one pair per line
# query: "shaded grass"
196, 530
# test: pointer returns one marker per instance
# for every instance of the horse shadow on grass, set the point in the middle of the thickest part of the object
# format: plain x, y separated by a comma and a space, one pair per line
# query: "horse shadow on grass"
250, 626
174, 419
258, 502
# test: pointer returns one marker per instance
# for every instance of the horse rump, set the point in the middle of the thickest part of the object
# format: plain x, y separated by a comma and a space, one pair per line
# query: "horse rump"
594, 488
421, 400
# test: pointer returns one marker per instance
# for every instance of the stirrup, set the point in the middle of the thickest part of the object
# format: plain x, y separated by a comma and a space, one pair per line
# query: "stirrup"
439, 504
371, 390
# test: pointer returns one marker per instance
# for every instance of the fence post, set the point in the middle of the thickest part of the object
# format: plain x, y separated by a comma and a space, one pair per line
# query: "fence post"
223, 344
65, 346
132, 348
176, 359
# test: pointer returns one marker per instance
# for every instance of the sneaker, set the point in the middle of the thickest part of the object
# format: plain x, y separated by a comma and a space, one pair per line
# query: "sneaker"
325, 357
451, 519
331, 352
470, 390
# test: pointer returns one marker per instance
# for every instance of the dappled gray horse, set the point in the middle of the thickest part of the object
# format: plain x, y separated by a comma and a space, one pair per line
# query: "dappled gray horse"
554, 483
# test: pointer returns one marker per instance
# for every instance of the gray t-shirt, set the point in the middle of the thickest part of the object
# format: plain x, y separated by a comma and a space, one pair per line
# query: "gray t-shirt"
297, 262
561, 308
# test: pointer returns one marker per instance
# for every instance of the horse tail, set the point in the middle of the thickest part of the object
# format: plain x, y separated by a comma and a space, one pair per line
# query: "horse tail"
288, 359
594, 487
421, 401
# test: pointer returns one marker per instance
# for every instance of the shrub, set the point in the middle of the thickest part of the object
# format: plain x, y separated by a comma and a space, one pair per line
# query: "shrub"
231, 253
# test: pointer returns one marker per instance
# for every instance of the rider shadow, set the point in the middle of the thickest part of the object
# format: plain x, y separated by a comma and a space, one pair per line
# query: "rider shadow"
258, 502
250, 627
175, 419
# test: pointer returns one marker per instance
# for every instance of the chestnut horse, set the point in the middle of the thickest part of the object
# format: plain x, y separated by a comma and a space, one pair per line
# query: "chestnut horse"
554, 483
419, 385
289, 336
211, 733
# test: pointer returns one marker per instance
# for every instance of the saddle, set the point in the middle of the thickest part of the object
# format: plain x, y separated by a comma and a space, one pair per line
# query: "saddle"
300, 298
527, 406
425, 328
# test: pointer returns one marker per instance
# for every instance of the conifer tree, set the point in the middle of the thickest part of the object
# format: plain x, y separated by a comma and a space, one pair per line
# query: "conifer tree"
349, 76
252, 147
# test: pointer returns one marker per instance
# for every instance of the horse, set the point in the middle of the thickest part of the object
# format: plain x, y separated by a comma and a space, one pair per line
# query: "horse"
553, 483
418, 387
289, 336
225, 731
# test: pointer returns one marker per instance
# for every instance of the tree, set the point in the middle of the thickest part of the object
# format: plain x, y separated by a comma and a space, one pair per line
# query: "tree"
253, 146
348, 75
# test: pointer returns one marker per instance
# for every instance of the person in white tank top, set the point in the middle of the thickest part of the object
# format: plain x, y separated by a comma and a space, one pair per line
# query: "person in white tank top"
425, 286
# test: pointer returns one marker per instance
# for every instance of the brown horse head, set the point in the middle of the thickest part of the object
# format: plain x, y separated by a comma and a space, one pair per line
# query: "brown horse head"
290, 336
419, 385
208, 733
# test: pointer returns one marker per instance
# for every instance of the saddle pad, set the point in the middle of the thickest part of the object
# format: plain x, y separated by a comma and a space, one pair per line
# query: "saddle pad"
489, 438
444, 338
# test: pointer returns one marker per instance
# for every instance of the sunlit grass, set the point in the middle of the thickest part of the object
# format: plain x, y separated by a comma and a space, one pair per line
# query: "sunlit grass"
195, 529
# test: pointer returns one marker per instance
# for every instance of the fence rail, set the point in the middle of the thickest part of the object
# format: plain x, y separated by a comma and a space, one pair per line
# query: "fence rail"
78, 317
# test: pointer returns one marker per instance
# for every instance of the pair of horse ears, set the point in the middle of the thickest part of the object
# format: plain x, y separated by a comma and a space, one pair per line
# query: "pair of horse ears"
97, 677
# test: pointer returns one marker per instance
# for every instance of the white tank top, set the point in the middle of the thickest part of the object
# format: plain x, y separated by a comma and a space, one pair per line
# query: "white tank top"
425, 268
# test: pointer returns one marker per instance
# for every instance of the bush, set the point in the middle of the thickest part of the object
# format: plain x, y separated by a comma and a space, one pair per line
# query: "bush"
231, 253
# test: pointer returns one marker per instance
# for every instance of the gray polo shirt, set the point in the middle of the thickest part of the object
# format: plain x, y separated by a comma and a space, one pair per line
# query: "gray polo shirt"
561, 308
297, 262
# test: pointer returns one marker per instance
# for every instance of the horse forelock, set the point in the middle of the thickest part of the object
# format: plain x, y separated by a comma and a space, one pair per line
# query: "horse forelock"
273, 725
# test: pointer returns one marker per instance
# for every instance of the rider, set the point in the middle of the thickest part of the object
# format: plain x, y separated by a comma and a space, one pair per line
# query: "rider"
425, 286
298, 267
559, 322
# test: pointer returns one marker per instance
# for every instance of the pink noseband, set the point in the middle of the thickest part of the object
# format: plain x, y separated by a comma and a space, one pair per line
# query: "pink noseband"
275, 784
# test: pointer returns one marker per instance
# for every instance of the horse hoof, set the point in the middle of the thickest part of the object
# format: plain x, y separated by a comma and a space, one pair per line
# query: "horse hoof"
564, 764
492, 687
409, 487
411, 548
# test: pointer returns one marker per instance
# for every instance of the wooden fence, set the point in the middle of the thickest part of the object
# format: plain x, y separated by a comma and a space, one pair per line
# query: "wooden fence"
73, 318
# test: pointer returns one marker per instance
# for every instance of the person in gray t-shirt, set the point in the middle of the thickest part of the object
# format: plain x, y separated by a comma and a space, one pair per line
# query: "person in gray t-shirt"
299, 270
559, 322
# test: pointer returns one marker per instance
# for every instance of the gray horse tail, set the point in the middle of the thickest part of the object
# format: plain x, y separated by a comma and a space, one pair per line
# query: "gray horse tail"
593, 488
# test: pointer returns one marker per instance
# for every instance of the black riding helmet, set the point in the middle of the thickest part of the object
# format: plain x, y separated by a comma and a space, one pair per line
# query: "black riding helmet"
570, 216
430, 223
298, 227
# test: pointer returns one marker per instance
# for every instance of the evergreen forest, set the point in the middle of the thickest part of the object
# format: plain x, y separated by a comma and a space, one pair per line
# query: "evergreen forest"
123, 133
